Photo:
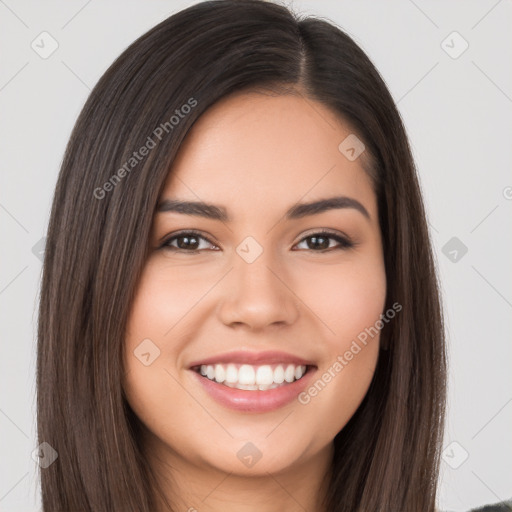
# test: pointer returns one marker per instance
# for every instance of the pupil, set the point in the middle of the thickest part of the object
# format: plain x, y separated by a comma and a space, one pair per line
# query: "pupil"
315, 239
185, 245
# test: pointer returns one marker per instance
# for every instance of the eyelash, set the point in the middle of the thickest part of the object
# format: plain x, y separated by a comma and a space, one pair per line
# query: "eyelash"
344, 243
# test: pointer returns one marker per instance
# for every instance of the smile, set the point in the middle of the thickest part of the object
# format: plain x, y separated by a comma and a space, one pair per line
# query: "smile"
251, 377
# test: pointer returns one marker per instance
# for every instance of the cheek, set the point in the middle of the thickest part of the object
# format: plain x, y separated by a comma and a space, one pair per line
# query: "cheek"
348, 301
151, 378
156, 309
345, 298
146, 355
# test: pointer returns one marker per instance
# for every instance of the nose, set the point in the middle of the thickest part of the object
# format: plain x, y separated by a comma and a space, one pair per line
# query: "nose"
258, 294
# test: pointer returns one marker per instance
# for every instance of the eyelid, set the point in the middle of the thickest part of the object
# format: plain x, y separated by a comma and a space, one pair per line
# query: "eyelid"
327, 231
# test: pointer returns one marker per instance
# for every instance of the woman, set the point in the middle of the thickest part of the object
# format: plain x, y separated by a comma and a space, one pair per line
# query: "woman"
239, 307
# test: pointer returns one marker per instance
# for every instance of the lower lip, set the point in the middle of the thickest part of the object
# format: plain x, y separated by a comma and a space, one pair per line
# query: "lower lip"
255, 401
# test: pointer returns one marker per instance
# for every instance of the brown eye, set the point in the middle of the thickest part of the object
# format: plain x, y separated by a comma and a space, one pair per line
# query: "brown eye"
186, 241
322, 241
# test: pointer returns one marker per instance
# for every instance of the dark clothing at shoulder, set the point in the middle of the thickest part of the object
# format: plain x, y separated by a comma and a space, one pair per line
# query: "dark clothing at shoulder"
502, 506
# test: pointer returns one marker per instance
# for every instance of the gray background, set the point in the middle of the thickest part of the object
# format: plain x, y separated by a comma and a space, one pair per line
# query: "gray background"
458, 115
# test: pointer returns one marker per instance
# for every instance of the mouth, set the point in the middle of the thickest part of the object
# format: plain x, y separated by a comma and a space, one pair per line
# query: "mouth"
253, 382
251, 377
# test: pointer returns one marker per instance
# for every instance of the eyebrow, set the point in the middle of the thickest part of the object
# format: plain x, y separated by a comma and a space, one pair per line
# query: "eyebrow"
215, 212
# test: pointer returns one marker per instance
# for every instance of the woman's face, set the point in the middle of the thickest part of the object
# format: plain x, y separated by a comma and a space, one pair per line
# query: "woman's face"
257, 295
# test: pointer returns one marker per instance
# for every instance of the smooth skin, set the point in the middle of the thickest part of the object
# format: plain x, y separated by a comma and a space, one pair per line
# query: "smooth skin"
256, 155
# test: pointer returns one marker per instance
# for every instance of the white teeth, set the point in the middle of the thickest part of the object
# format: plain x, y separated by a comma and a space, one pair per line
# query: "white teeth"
231, 374
220, 373
253, 378
289, 374
210, 372
247, 387
264, 375
279, 375
246, 375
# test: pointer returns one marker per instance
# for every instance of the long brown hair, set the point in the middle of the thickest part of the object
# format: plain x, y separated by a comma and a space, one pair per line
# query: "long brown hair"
387, 456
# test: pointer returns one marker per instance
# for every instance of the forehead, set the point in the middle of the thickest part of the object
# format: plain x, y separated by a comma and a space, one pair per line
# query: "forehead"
253, 148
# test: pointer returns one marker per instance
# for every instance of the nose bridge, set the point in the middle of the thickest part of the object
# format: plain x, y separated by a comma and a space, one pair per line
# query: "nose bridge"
255, 275
256, 293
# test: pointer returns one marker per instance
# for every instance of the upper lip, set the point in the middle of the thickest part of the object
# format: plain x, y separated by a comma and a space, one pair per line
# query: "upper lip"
253, 358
